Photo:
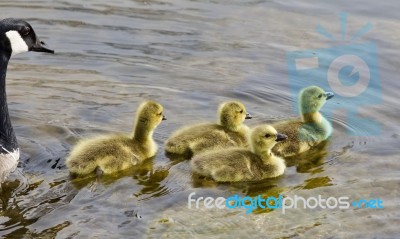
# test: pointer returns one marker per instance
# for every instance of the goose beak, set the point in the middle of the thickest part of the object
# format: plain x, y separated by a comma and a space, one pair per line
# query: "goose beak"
248, 116
40, 46
164, 118
281, 137
329, 95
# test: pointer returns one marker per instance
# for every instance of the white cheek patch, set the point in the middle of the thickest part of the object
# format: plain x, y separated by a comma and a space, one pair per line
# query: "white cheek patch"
18, 45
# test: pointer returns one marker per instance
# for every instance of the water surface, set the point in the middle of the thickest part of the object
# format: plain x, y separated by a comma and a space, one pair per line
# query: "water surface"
190, 56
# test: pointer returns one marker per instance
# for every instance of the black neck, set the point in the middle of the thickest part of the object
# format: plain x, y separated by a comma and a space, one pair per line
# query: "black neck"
8, 141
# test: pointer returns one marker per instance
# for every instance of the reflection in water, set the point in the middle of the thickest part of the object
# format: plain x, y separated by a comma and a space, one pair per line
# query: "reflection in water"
143, 174
317, 182
190, 56
309, 160
27, 210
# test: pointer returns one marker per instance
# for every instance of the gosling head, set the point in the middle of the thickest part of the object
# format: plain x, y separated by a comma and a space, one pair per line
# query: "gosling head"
17, 36
264, 138
150, 114
232, 114
312, 99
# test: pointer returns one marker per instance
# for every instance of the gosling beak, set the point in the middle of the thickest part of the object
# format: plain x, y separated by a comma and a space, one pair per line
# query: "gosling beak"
248, 116
164, 118
329, 95
40, 46
281, 137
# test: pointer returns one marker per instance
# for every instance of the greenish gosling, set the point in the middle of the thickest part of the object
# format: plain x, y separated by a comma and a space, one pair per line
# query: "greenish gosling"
229, 132
116, 152
239, 164
308, 131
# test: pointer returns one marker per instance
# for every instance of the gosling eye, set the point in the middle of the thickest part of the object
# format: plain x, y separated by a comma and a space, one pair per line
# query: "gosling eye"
320, 95
241, 111
160, 114
267, 135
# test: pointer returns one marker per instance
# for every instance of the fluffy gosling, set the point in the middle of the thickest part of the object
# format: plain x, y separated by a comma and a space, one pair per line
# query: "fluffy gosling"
229, 132
308, 131
239, 164
112, 153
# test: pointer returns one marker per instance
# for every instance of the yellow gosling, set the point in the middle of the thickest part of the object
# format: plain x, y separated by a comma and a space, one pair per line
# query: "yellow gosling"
115, 152
229, 132
239, 164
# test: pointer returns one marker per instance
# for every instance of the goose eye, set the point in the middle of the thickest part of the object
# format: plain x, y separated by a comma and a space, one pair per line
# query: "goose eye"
25, 31
241, 112
160, 113
320, 95
267, 135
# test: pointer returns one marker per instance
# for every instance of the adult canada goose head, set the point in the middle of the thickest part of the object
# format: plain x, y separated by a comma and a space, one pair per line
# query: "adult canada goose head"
17, 36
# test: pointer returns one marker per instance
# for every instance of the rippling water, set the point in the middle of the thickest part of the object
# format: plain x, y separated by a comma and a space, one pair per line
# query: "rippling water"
190, 56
